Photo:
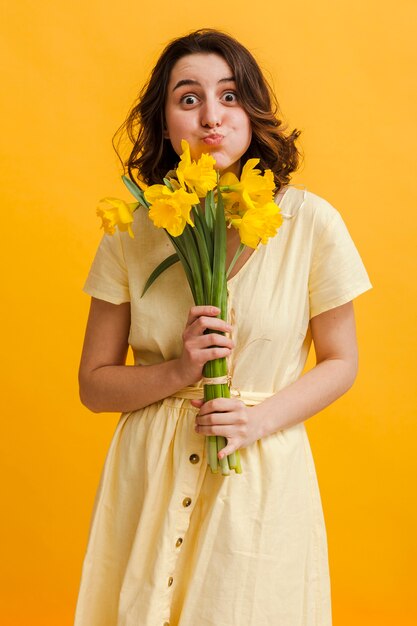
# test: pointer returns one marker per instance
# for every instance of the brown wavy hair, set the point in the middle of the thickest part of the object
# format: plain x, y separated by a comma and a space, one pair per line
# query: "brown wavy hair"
152, 155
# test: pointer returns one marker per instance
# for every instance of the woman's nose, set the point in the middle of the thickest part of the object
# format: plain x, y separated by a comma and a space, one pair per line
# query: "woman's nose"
211, 115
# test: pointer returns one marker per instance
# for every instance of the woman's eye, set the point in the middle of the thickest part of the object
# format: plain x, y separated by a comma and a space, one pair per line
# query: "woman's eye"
230, 96
188, 99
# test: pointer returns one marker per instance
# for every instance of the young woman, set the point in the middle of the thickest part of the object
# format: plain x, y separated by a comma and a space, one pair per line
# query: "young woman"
171, 543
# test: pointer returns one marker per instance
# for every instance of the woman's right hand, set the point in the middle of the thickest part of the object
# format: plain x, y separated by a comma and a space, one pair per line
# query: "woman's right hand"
198, 347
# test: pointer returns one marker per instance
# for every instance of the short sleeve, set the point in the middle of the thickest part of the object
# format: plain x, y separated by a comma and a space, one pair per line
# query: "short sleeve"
108, 276
337, 273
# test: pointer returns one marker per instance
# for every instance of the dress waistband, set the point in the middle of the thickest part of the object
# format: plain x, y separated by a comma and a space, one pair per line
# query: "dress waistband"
250, 398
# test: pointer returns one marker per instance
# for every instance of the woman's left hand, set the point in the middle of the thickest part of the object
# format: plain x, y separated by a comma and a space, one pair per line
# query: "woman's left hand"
230, 418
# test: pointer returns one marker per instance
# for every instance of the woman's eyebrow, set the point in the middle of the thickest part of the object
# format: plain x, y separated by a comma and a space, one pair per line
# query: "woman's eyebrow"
190, 81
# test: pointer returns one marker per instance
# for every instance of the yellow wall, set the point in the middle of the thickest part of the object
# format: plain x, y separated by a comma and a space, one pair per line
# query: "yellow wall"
345, 75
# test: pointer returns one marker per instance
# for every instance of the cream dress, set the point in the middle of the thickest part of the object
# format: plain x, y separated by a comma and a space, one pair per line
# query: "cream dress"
170, 543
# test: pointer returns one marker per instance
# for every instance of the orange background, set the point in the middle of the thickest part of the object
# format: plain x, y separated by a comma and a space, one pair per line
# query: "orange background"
345, 75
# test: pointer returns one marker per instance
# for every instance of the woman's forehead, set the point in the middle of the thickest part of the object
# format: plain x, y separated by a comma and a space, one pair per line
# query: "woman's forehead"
199, 64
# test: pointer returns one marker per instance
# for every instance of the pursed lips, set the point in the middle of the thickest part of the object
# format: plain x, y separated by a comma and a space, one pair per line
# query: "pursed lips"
213, 139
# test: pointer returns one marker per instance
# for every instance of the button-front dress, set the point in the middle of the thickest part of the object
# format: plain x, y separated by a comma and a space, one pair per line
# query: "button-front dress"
170, 543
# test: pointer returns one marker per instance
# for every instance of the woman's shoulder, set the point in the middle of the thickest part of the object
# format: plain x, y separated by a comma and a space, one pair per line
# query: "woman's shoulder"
300, 201
302, 206
143, 229
149, 245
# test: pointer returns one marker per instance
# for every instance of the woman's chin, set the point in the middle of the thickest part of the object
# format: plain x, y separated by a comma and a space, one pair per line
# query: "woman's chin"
225, 167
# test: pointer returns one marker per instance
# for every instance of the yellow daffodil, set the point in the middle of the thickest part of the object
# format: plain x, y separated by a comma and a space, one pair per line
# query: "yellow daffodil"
170, 209
201, 177
249, 204
251, 191
257, 225
115, 212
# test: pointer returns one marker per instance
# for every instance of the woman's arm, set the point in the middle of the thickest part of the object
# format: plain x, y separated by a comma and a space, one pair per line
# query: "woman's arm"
334, 337
107, 384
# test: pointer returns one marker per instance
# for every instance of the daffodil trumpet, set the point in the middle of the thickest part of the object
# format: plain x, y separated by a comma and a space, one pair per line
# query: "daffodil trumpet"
198, 237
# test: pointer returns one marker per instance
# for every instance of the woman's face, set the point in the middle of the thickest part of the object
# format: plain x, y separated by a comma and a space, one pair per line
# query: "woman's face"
202, 107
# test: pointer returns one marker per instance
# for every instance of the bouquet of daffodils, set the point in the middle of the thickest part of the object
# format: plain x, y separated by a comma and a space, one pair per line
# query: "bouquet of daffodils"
195, 205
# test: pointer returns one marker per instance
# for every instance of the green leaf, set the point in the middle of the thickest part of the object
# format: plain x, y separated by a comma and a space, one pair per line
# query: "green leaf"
235, 258
180, 247
209, 210
135, 191
193, 259
168, 184
205, 262
166, 263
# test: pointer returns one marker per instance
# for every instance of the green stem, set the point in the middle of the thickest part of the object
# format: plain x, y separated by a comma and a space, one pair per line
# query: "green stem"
224, 462
219, 260
213, 461
194, 262
182, 253
209, 210
218, 367
235, 258
204, 262
207, 232
238, 468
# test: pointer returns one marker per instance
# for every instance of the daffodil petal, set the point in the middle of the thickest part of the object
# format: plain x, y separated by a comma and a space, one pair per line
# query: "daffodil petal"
228, 180
115, 212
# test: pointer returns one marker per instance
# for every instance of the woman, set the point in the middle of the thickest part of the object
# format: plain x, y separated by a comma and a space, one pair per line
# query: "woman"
170, 542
